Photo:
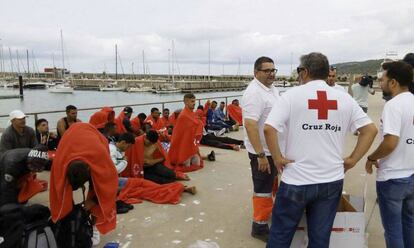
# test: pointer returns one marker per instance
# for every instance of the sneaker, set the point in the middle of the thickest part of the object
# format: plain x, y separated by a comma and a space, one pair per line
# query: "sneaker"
96, 237
221, 132
121, 208
211, 156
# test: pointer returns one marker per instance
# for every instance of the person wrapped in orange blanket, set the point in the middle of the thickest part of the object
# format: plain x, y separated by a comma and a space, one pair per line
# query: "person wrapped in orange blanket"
184, 152
235, 112
154, 122
103, 116
83, 156
138, 124
123, 121
135, 189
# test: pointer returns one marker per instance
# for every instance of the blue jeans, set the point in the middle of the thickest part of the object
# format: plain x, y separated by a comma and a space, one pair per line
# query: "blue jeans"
320, 202
396, 203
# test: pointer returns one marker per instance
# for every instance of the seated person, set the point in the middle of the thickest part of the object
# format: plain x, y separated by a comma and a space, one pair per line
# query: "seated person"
17, 135
235, 112
220, 118
64, 123
123, 121
103, 116
117, 150
83, 156
184, 152
166, 118
215, 123
138, 123
154, 168
45, 137
173, 118
109, 131
210, 127
154, 122
17, 173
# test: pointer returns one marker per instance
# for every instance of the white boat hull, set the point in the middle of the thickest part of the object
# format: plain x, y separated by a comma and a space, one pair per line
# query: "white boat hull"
63, 90
143, 89
111, 89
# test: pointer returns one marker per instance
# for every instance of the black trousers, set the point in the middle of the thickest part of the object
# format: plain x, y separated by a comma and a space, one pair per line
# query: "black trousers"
159, 173
262, 181
219, 142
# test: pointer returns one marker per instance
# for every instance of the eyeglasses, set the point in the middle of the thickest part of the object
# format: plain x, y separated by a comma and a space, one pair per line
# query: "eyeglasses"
268, 71
299, 69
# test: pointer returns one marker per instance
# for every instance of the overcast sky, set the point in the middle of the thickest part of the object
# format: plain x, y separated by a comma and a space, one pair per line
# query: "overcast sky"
238, 30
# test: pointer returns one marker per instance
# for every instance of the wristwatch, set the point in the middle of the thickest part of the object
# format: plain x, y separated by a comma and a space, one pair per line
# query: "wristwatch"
261, 155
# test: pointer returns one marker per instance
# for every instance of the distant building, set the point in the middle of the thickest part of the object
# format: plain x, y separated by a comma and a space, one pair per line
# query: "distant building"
56, 72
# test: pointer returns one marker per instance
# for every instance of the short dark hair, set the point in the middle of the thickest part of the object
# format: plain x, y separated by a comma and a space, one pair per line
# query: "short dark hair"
109, 125
78, 174
409, 59
127, 137
222, 103
400, 71
200, 107
214, 102
154, 109
70, 107
258, 63
152, 136
40, 121
317, 65
142, 116
189, 96
166, 109
235, 100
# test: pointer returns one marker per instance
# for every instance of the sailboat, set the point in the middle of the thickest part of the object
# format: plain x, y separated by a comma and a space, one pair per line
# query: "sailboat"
169, 88
64, 88
110, 84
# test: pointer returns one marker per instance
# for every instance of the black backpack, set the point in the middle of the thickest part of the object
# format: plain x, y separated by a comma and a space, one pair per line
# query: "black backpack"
26, 226
37, 232
75, 229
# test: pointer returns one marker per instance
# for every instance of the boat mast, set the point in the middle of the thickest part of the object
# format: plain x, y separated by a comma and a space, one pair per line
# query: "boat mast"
209, 69
11, 62
63, 54
172, 59
116, 62
143, 62
18, 61
27, 61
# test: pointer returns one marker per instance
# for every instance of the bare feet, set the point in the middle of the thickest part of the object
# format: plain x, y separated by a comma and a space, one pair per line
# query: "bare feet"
236, 148
192, 190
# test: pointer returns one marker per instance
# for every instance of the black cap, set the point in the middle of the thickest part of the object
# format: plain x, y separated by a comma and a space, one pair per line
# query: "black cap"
128, 110
38, 157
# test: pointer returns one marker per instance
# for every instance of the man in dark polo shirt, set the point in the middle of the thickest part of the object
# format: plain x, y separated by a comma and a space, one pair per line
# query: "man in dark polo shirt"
17, 135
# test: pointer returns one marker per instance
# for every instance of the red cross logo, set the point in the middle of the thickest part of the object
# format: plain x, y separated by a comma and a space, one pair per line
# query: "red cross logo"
322, 104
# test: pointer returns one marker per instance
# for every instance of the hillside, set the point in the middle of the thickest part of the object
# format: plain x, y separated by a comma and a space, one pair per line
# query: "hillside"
363, 67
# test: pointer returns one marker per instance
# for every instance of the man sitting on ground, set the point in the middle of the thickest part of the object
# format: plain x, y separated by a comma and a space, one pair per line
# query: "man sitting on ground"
235, 112
117, 150
64, 123
138, 124
17, 135
220, 117
123, 121
45, 137
154, 122
109, 131
154, 168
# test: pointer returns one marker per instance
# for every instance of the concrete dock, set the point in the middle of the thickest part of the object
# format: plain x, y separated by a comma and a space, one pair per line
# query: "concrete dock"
221, 211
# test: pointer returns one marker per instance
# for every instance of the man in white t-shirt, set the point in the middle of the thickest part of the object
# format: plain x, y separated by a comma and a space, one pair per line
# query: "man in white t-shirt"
314, 119
332, 80
395, 174
257, 102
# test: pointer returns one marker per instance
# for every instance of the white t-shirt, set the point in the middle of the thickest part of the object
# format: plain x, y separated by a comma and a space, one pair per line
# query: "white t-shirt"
339, 87
360, 94
314, 118
256, 103
398, 120
117, 158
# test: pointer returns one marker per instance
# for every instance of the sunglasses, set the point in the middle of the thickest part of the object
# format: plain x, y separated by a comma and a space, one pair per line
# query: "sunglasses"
299, 69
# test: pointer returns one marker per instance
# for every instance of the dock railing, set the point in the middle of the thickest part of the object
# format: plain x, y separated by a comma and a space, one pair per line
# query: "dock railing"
163, 105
